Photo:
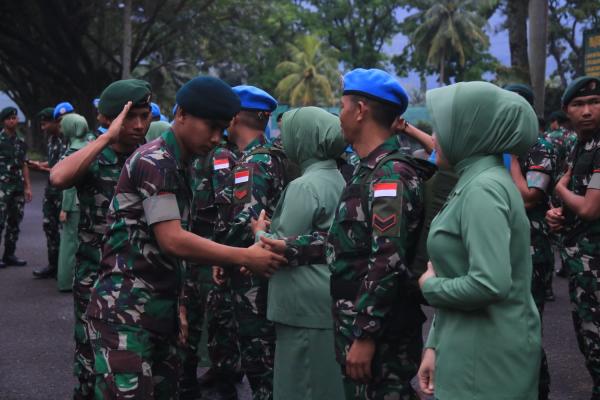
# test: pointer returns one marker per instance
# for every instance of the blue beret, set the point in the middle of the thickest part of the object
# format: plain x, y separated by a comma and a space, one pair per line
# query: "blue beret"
155, 110
62, 108
208, 97
95, 102
255, 99
174, 111
378, 85
580, 87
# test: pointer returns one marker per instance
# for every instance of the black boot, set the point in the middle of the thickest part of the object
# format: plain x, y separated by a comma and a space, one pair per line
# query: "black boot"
46, 272
2, 265
13, 260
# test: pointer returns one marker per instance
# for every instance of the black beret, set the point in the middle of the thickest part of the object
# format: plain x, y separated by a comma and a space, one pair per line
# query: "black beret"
208, 97
117, 94
521, 89
582, 86
559, 115
47, 114
7, 112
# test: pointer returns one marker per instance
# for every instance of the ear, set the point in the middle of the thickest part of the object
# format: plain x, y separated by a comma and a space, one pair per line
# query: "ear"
361, 109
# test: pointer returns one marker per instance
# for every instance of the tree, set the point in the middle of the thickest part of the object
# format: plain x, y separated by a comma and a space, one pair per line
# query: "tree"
538, 32
445, 30
358, 29
309, 73
516, 12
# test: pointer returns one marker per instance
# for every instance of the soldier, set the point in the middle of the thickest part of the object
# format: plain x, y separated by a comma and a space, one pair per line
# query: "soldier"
579, 219
259, 180
61, 109
94, 171
15, 186
52, 196
562, 138
134, 307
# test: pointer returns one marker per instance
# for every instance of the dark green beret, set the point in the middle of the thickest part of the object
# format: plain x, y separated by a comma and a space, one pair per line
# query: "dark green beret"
521, 89
7, 112
208, 97
117, 94
582, 86
47, 114
559, 115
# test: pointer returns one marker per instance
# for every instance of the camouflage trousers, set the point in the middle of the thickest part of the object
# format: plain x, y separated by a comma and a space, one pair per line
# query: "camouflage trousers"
51, 207
256, 333
395, 363
223, 331
198, 282
86, 272
133, 363
12, 203
583, 263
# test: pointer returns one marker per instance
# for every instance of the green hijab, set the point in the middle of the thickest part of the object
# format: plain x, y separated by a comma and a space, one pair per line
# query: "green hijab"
74, 128
477, 119
311, 134
156, 129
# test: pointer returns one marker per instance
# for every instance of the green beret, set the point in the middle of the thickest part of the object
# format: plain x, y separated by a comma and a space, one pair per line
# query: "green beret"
208, 97
582, 86
47, 114
522, 90
559, 115
117, 94
7, 112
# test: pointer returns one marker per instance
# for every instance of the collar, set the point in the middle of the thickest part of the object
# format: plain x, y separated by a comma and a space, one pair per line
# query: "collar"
470, 167
173, 147
389, 146
259, 141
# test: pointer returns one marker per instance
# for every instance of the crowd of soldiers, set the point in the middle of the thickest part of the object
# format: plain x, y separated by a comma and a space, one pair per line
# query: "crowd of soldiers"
294, 252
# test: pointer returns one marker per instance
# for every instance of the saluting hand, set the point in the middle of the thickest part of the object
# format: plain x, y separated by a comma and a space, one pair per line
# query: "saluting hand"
115, 126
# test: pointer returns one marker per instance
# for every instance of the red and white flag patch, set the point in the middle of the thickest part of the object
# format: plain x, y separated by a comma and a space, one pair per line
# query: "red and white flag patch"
385, 189
221, 163
242, 176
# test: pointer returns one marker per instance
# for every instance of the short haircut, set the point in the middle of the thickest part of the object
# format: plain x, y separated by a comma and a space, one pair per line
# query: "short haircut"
256, 120
383, 114
279, 117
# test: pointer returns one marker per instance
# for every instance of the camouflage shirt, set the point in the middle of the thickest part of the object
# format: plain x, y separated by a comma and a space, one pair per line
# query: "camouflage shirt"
258, 181
13, 155
56, 149
370, 245
139, 284
562, 141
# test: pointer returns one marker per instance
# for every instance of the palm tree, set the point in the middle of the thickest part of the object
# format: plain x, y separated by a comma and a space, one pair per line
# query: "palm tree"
308, 74
448, 29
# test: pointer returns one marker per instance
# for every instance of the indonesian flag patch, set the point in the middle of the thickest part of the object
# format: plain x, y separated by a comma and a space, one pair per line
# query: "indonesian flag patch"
221, 163
385, 189
242, 176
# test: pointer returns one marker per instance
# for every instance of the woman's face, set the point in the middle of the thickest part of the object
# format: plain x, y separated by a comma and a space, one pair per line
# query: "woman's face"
440, 160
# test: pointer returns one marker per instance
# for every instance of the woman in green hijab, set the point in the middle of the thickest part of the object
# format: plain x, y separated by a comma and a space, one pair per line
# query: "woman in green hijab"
485, 341
74, 128
299, 302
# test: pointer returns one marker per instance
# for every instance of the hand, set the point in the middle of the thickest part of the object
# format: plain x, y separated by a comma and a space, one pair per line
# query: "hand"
245, 271
115, 126
427, 372
260, 224
359, 358
218, 275
566, 178
430, 273
399, 125
28, 194
555, 219
276, 245
262, 261
62, 217
183, 325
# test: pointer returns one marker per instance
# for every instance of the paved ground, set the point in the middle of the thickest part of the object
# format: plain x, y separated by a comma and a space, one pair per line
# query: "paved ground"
36, 328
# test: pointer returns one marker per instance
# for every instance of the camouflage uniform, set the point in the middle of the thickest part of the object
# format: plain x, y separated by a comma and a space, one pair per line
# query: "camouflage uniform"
13, 155
562, 141
94, 191
259, 180
347, 164
133, 310
51, 205
208, 172
581, 255
539, 168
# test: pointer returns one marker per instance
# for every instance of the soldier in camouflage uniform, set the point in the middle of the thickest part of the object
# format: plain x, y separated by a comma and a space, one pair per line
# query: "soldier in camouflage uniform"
579, 219
562, 138
15, 187
134, 307
51, 205
259, 180
94, 171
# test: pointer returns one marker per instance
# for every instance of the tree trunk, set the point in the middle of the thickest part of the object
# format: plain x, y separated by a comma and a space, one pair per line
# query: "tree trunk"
423, 83
516, 22
126, 40
442, 70
538, 38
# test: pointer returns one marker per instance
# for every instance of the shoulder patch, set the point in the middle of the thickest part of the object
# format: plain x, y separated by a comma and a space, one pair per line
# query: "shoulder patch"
221, 163
242, 176
389, 189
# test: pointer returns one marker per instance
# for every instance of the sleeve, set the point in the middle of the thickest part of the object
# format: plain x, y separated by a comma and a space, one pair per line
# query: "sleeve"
391, 202
431, 342
541, 167
488, 279
69, 200
157, 186
595, 178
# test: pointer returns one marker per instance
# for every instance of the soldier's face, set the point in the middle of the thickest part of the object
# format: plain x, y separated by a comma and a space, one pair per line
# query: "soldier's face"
348, 115
11, 122
584, 113
202, 135
50, 127
135, 126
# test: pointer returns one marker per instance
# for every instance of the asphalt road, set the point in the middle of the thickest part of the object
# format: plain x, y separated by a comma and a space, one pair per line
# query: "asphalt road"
36, 346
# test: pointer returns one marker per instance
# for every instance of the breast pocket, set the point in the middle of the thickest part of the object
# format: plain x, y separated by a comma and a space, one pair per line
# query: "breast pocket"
351, 231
